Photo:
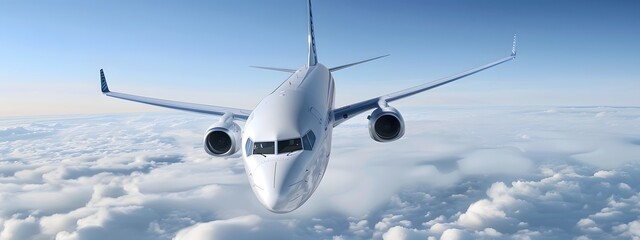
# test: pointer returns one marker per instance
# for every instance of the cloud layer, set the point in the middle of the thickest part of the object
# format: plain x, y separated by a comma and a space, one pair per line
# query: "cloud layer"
462, 173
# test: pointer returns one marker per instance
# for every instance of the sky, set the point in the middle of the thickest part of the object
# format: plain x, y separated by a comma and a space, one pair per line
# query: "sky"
570, 53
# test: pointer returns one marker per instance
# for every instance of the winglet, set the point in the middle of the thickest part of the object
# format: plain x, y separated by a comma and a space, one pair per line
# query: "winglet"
103, 82
513, 49
313, 58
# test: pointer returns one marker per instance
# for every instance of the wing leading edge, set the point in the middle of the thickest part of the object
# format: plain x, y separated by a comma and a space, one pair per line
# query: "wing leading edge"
345, 113
239, 114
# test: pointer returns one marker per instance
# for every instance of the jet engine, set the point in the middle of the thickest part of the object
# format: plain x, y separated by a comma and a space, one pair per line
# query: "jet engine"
223, 138
386, 124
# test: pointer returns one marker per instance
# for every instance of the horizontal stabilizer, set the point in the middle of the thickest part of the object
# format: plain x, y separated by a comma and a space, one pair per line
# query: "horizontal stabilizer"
333, 69
276, 69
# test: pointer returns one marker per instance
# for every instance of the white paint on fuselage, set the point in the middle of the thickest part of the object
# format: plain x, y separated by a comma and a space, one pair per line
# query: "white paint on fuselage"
304, 102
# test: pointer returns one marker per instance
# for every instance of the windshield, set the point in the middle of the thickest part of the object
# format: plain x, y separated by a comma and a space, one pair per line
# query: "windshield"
264, 148
309, 139
290, 145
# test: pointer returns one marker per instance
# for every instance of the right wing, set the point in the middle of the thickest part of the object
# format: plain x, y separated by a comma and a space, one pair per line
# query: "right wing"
345, 113
239, 114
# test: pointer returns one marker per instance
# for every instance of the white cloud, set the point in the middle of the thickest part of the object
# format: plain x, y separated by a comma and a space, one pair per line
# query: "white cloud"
402, 233
628, 230
604, 174
455, 234
481, 214
490, 232
588, 225
458, 172
245, 227
360, 228
16, 228
495, 161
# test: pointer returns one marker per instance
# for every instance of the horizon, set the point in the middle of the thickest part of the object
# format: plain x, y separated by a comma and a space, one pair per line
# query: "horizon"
400, 107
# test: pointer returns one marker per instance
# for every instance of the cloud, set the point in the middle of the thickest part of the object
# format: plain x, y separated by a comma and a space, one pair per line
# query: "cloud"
455, 234
459, 173
402, 233
604, 174
495, 161
16, 228
244, 227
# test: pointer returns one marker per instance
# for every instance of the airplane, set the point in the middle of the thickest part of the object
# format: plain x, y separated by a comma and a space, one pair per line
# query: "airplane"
286, 140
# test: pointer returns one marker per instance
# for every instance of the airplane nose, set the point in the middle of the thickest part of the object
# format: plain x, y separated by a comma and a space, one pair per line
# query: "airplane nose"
272, 181
270, 200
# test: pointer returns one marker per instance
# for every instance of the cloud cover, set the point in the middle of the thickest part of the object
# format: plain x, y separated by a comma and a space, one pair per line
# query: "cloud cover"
459, 173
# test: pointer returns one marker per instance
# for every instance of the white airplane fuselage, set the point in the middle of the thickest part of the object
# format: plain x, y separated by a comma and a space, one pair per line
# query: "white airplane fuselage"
286, 139
304, 102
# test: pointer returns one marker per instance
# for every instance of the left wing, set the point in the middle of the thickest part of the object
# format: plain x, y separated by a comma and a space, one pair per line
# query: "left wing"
239, 114
345, 113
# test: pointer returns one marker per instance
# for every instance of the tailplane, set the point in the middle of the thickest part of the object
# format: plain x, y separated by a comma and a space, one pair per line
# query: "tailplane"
333, 69
289, 70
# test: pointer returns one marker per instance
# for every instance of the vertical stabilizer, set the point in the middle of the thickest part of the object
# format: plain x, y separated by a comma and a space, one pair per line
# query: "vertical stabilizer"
313, 58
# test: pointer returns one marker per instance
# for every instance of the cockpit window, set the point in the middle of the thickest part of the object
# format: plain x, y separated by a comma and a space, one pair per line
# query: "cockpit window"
309, 140
290, 145
264, 148
249, 147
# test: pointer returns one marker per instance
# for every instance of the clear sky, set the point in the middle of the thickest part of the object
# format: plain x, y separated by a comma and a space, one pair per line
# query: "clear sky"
570, 52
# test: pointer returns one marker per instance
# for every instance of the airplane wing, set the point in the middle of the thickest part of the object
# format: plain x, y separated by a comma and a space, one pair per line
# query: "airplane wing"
345, 113
239, 114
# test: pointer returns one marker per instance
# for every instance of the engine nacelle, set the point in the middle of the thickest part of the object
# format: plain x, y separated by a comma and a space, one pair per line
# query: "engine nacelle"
386, 124
223, 138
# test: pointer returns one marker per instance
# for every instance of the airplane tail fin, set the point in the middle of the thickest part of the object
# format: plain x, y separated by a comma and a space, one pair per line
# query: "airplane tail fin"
333, 69
313, 58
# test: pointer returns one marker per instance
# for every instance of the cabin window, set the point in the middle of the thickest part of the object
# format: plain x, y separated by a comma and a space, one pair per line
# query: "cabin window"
264, 148
291, 145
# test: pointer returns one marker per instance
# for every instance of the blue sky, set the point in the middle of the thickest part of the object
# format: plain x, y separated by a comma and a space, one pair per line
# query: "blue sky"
570, 52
